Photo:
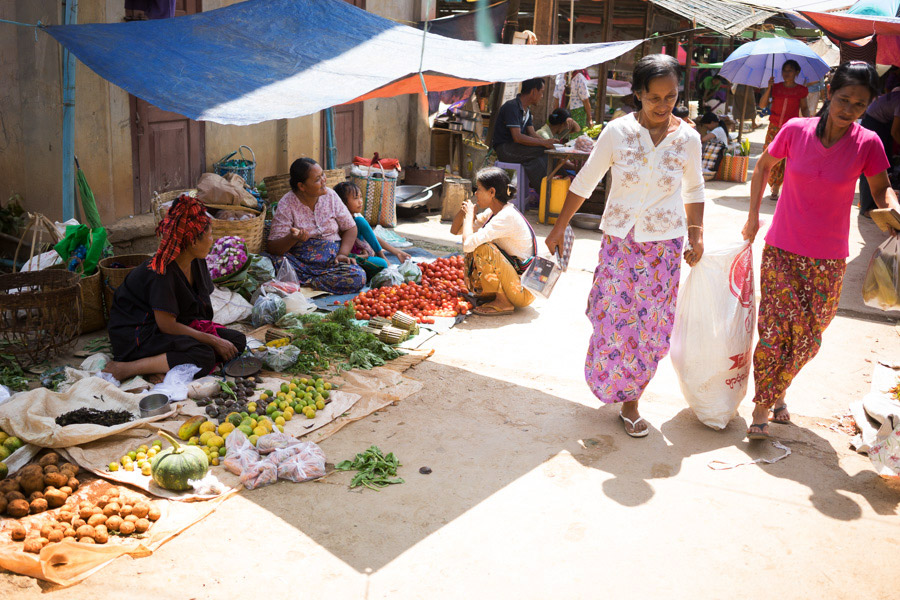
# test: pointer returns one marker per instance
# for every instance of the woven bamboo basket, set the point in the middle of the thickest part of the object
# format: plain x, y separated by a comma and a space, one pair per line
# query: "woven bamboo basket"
112, 277
334, 177
40, 314
93, 316
276, 187
250, 230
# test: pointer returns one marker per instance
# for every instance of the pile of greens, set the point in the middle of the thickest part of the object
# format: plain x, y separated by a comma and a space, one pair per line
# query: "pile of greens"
375, 469
335, 341
12, 375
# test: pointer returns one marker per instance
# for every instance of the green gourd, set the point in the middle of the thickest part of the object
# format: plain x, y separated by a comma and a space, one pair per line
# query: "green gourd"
173, 467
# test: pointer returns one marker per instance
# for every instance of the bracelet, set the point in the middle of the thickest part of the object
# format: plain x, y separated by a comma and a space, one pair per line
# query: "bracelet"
700, 227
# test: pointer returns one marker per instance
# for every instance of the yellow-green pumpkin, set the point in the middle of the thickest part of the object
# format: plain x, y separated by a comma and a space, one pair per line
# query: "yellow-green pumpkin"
173, 467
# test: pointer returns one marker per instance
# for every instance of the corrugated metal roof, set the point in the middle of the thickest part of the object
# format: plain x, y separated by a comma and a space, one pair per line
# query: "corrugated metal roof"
723, 17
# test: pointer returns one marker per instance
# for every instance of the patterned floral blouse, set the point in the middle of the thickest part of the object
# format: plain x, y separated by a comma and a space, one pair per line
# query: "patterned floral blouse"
329, 220
650, 185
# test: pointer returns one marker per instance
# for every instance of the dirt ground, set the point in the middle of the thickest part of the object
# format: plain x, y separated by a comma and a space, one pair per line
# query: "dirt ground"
537, 493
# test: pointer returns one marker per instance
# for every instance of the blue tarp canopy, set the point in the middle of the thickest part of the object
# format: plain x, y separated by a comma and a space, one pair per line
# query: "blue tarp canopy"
273, 59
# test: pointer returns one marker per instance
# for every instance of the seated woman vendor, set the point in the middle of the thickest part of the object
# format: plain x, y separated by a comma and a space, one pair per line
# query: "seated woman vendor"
499, 244
560, 125
370, 251
315, 233
161, 314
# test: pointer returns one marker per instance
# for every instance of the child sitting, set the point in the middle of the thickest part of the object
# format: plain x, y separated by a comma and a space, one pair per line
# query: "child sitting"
370, 251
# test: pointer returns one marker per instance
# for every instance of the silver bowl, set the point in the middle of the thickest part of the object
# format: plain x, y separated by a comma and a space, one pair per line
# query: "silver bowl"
586, 221
153, 405
415, 193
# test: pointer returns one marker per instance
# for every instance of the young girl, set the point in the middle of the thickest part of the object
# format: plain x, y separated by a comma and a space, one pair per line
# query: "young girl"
370, 251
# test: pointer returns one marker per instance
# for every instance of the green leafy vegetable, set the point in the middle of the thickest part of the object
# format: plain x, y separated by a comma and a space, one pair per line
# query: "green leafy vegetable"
11, 374
375, 469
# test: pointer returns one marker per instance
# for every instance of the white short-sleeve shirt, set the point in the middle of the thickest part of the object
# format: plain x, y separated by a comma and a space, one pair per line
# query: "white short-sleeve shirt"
650, 185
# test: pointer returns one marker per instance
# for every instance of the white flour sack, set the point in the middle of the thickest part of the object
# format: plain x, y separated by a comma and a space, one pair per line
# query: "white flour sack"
712, 343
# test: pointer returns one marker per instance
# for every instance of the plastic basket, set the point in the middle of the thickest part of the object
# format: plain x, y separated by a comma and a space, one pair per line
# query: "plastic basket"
240, 166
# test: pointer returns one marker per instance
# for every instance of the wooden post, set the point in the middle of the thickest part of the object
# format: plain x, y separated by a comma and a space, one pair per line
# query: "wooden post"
648, 28
688, 69
604, 71
509, 31
546, 28
740, 121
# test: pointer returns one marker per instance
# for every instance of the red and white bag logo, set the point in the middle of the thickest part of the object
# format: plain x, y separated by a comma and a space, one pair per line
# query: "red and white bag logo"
741, 277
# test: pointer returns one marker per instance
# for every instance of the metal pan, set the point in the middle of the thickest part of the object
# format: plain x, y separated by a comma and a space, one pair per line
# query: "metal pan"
243, 366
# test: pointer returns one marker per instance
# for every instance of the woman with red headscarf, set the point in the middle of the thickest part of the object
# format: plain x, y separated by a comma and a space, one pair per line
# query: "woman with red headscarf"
161, 314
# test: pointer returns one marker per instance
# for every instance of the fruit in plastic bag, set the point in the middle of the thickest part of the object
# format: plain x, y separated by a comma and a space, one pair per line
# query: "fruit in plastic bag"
881, 287
240, 453
260, 473
275, 441
410, 271
388, 276
307, 462
267, 310
281, 359
712, 341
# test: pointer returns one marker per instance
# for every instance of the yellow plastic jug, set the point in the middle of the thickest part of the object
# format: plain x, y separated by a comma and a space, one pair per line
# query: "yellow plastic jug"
559, 188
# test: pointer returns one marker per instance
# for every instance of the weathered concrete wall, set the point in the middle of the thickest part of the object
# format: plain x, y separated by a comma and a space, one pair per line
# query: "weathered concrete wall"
31, 116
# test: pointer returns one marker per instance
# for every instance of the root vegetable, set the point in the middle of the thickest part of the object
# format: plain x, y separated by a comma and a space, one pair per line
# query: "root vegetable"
85, 531
29, 470
17, 531
51, 469
46, 528
85, 513
70, 539
111, 509
3, 503
87, 540
142, 525
140, 510
18, 508
69, 532
114, 522
55, 498
10, 496
126, 528
66, 489
51, 458
97, 520
154, 513
32, 482
69, 467
56, 480
78, 522
125, 510
34, 545
113, 493
102, 535
131, 519
72, 483
65, 516
55, 536
38, 506
35, 496
9, 485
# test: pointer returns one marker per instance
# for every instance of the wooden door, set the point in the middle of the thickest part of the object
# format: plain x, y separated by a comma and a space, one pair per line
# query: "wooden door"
167, 148
348, 125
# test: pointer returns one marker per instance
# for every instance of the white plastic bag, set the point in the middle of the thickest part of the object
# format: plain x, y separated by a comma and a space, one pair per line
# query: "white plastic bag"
301, 462
176, 383
281, 359
298, 303
285, 280
881, 287
712, 342
267, 309
388, 276
229, 307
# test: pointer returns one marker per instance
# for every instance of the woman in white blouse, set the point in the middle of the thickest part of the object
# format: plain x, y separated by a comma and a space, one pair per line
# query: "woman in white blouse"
655, 200
499, 245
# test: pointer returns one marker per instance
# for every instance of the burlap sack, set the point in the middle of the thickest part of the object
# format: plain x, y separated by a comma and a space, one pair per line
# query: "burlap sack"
31, 416
228, 190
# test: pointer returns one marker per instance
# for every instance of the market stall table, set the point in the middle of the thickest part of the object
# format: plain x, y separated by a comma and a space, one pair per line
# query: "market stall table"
556, 159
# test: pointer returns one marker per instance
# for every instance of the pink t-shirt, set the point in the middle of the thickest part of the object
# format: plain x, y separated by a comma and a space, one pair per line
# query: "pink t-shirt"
330, 219
812, 217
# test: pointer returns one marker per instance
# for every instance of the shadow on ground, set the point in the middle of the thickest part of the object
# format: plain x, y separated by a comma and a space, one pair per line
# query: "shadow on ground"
486, 434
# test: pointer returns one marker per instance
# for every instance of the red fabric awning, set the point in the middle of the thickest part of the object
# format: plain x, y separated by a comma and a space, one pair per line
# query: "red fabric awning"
848, 28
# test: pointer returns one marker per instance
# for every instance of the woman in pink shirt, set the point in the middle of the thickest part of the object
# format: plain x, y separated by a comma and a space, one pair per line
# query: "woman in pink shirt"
807, 245
314, 232
788, 102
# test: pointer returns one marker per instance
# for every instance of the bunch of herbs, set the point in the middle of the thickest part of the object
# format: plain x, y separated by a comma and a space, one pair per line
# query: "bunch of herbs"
375, 469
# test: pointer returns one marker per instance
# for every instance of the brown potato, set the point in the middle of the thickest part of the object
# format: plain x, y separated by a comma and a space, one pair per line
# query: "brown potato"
35, 496
154, 513
69, 532
70, 539
65, 516
112, 493
72, 483
113, 522
46, 528
10, 496
102, 535
97, 520
55, 498
9, 485
85, 513
18, 508
29, 470
85, 531
125, 510
78, 522
38, 506
126, 528
97, 510
103, 501
56, 480
71, 468
111, 509
3, 503
35, 545
51, 458
66, 489
87, 540
32, 482
55, 536
131, 519
17, 531
140, 510
51, 469
142, 525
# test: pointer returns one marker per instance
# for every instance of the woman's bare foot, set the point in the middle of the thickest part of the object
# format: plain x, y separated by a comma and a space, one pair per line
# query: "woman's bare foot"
152, 365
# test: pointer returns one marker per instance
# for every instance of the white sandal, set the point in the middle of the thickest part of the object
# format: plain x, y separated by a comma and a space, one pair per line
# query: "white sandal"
634, 434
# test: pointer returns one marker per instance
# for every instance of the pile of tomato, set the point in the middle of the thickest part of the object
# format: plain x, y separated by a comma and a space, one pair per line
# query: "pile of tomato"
436, 296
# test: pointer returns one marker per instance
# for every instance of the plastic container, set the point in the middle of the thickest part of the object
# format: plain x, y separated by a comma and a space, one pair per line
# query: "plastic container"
559, 189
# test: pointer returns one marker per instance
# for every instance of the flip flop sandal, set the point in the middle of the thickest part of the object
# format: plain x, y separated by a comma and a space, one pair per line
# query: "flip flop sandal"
775, 412
634, 434
762, 434
490, 312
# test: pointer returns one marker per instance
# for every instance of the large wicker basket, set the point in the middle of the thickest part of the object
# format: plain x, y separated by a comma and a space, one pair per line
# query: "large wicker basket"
250, 230
334, 177
276, 187
40, 314
112, 277
93, 316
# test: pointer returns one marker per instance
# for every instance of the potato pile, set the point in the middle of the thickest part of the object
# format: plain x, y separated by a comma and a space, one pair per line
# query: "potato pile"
37, 487
91, 522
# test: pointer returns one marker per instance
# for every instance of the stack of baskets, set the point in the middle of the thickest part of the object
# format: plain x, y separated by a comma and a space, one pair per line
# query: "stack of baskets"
250, 230
93, 313
40, 314
279, 185
111, 277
